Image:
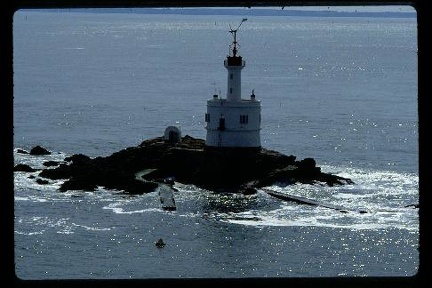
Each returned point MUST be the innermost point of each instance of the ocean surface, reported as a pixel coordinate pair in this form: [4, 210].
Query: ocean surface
[342, 90]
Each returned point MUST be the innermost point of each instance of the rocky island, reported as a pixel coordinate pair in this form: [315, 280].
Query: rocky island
[141, 169]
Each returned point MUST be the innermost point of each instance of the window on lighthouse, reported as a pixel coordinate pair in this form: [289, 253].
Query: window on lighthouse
[244, 119]
[230, 90]
[231, 76]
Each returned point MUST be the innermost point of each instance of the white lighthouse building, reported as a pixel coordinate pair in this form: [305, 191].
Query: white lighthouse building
[233, 121]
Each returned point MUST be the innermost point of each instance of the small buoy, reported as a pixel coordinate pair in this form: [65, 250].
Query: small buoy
[160, 243]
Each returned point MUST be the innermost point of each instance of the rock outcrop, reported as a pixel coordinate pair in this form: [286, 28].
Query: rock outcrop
[141, 169]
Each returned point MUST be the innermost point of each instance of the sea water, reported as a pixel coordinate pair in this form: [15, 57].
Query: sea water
[342, 90]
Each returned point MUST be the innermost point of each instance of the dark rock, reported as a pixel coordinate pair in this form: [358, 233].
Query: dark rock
[51, 163]
[63, 171]
[189, 162]
[248, 191]
[78, 159]
[38, 150]
[21, 151]
[24, 168]
[41, 181]
[77, 183]
[307, 164]
[134, 186]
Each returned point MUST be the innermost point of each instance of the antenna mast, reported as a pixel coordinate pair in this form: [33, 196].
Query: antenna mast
[234, 32]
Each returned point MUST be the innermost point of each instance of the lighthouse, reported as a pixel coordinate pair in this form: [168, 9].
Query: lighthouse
[233, 121]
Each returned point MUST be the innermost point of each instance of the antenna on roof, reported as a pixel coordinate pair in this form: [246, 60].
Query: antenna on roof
[234, 32]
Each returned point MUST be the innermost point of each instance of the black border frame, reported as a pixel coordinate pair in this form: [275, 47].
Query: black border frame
[6, 147]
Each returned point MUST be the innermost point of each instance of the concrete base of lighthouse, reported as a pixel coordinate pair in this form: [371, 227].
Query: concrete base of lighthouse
[233, 138]
[233, 123]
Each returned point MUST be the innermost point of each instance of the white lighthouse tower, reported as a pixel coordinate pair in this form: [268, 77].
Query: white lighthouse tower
[233, 121]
